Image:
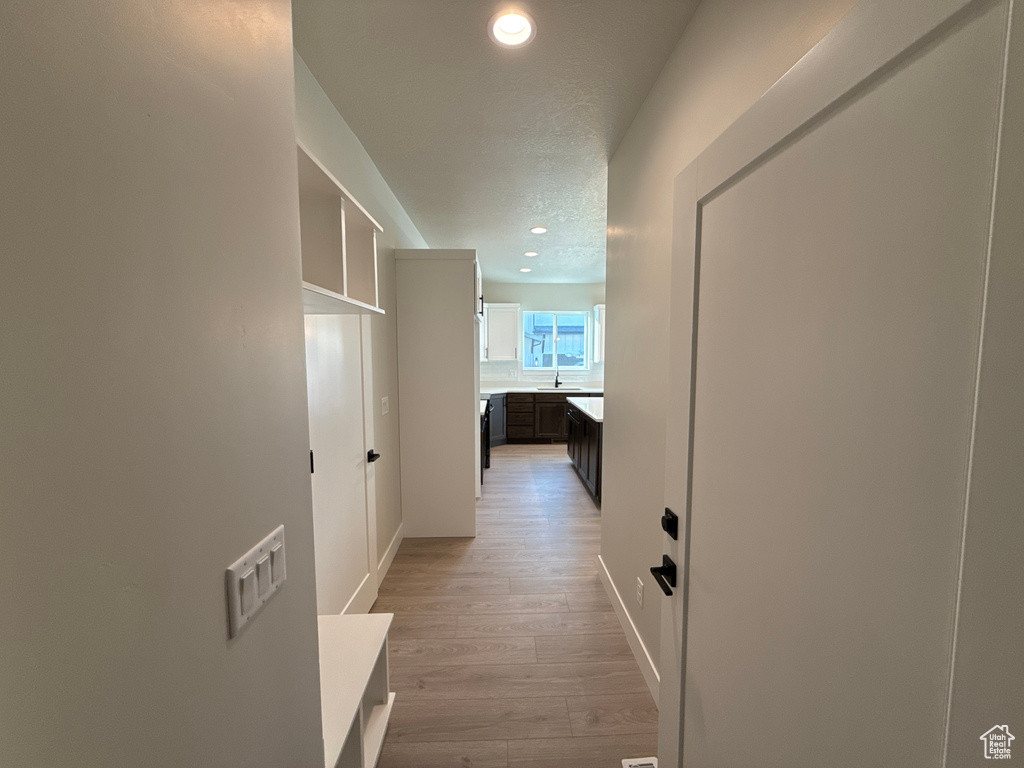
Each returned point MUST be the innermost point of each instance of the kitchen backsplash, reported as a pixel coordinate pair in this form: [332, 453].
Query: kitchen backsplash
[510, 372]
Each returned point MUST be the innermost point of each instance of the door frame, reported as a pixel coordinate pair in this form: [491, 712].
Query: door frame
[870, 41]
[367, 594]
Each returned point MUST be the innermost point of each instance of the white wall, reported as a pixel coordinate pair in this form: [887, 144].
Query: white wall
[725, 60]
[543, 296]
[153, 417]
[325, 133]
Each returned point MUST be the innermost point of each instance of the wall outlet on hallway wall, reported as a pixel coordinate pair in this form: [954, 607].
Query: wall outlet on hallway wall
[640, 591]
[385, 406]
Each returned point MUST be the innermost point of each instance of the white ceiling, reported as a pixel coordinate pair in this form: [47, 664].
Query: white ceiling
[480, 142]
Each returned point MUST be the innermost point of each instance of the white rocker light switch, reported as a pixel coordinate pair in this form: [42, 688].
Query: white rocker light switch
[253, 579]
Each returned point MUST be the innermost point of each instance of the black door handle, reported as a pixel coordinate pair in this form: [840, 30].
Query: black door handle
[665, 574]
[371, 456]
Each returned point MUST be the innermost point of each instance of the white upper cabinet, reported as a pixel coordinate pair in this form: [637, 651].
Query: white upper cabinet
[339, 245]
[599, 333]
[502, 332]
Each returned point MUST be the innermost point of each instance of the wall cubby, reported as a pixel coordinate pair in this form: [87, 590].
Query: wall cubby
[339, 244]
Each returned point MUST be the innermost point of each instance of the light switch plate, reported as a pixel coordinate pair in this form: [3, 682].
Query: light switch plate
[256, 579]
[640, 762]
[640, 591]
[385, 406]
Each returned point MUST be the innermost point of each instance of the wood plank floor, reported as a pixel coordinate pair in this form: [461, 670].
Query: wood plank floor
[505, 650]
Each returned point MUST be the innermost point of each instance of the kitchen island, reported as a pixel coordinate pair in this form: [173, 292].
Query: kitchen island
[585, 419]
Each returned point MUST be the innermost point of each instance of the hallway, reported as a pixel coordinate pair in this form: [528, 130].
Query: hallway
[505, 651]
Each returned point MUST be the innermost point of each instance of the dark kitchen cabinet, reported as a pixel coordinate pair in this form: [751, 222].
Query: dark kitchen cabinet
[550, 416]
[534, 417]
[574, 431]
[499, 436]
[519, 416]
[593, 460]
[549, 420]
[584, 448]
[587, 431]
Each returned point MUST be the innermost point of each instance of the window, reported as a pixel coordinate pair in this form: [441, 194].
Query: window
[555, 340]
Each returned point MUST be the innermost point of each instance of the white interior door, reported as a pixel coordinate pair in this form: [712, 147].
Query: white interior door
[346, 573]
[827, 302]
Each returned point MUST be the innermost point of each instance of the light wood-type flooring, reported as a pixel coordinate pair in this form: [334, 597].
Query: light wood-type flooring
[505, 652]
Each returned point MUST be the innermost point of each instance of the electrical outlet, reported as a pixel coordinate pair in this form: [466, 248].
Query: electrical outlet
[640, 762]
[384, 406]
[640, 591]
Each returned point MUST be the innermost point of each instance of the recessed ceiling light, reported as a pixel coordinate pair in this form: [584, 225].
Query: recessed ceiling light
[530, 253]
[539, 230]
[511, 29]
[525, 269]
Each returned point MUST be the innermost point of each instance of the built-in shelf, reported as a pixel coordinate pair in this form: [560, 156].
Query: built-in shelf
[339, 244]
[354, 698]
[320, 301]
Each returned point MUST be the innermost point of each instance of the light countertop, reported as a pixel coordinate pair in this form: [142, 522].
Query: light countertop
[591, 406]
[483, 406]
[497, 389]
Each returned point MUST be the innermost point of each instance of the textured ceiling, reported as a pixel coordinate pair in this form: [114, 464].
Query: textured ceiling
[480, 142]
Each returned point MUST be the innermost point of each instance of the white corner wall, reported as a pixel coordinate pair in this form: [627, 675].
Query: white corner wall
[437, 300]
[726, 59]
[324, 132]
[153, 416]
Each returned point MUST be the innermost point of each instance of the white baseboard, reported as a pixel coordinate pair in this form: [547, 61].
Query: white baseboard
[390, 552]
[366, 594]
[643, 658]
[364, 598]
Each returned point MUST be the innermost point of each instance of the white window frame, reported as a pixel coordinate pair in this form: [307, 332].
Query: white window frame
[588, 334]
